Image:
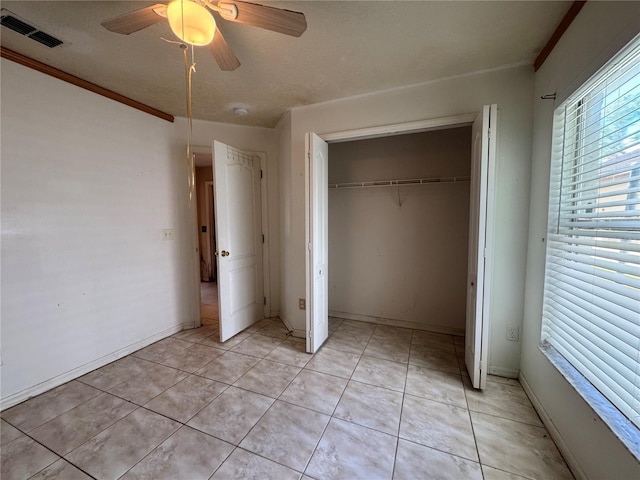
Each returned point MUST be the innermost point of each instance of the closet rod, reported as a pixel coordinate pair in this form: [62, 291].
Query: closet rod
[398, 183]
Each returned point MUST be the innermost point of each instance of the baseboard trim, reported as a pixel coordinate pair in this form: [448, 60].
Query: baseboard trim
[573, 464]
[298, 333]
[58, 380]
[504, 372]
[397, 323]
[286, 322]
[295, 332]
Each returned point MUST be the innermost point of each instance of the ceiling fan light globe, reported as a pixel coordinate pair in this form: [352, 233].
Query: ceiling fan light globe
[191, 22]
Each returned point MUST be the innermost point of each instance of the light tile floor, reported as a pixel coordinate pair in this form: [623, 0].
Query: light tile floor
[376, 402]
[209, 303]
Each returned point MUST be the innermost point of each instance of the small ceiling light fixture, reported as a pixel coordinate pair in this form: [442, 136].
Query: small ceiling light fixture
[241, 111]
[191, 22]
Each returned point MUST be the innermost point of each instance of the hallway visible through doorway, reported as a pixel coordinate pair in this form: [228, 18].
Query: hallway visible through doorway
[209, 303]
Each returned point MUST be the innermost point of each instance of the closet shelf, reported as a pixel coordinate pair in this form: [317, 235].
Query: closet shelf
[399, 183]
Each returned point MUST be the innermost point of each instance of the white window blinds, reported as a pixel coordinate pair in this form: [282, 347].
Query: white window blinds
[591, 312]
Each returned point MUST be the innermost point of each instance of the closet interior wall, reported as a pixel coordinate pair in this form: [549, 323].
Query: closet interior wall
[398, 254]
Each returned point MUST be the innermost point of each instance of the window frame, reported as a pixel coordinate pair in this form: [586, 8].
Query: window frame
[622, 426]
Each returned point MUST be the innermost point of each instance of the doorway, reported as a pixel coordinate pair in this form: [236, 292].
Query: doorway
[209, 311]
[233, 237]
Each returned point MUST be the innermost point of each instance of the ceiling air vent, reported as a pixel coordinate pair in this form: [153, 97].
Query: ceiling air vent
[16, 25]
[10, 20]
[45, 39]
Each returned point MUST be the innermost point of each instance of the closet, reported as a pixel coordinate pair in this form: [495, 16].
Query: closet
[398, 222]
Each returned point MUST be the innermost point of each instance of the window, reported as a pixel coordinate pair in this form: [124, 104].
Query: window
[591, 312]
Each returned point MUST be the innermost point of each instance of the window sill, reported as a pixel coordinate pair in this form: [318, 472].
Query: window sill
[620, 425]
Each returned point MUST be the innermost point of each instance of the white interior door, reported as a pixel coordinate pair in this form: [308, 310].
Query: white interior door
[317, 238]
[480, 241]
[238, 238]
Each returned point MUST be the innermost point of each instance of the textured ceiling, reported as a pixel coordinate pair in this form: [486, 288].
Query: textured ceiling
[349, 48]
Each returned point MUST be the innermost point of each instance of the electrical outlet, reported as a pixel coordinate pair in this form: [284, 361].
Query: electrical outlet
[513, 333]
[302, 304]
[167, 233]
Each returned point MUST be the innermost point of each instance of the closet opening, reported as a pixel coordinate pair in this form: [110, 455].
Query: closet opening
[399, 232]
[398, 229]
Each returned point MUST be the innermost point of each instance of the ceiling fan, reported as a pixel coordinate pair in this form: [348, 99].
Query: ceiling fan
[192, 22]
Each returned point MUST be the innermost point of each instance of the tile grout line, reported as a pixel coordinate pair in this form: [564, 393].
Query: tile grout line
[235, 447]
[507, 419]
[511, 473]
[449, 453]
[238, 447]
[191, 418]
[148, 409]
[105, 428]
[58, 457]
[64, 457]
[274, 402]
[261, 417]
[251, 429]
[404, 393]
[93, 436]
[473, 430]
[313, 452]
[390, 390]
[43, 393]
[154, 448]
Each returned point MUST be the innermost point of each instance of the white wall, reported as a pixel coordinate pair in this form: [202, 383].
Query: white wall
[401, 253]
[256, 139]
[88, 184]
[511, 90]
[599, 31]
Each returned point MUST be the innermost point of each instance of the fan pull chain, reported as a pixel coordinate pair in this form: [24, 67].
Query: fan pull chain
[189, 69]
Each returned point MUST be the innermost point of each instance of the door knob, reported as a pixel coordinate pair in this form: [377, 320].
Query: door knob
[224, 253]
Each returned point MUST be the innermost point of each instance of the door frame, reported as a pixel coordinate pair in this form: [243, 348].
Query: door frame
[418, 126]
[264, 214]
[390, 130]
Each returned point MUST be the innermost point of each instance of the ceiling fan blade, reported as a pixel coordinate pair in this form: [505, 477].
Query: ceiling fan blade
[221, 51]
[134, 21]
[274, 19]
